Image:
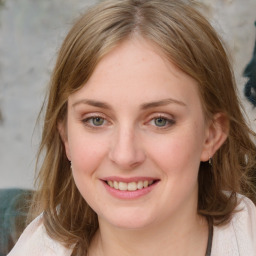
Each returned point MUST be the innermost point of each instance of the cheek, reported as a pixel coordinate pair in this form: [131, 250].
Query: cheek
[86, 153]
[177, 154]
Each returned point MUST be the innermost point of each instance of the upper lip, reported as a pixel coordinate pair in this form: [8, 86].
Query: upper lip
[129, 179]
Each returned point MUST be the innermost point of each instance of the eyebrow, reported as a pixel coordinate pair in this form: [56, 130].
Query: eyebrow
[94, 103]
[144, 106]
[163, 102]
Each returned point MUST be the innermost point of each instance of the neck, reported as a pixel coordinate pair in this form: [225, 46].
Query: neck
[175, 237]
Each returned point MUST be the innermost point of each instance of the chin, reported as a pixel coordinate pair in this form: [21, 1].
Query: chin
[131, 220]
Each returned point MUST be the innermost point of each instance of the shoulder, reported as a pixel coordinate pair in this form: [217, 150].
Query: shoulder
[238, 237]
[35, 241]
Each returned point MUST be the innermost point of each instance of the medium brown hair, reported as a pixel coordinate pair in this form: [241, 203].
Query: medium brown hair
[187, 39]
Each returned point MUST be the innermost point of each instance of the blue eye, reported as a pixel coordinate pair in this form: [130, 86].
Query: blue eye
[97, 121]
[160, 121]
[94, 121]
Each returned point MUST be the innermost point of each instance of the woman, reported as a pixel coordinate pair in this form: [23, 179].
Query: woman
[144, 150]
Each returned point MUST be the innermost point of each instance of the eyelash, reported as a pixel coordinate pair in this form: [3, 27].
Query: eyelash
[168, 121]
[87, 121]
[168, 124]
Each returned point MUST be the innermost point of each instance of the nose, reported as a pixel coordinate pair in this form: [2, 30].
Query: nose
[126, 150]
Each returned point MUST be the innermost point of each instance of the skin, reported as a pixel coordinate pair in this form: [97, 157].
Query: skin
[113, 129]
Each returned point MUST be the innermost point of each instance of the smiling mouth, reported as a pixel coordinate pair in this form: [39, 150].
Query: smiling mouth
[130, 186]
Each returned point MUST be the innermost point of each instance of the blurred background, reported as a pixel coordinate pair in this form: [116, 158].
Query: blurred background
[30, 35]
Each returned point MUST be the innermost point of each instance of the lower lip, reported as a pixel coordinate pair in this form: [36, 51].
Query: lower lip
[129, 194]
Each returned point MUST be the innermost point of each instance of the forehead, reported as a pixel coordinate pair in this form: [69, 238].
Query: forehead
[137, 69]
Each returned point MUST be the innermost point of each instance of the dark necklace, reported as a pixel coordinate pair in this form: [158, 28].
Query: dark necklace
[209, 243]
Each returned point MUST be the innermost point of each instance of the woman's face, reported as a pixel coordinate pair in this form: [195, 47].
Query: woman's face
[136, 134]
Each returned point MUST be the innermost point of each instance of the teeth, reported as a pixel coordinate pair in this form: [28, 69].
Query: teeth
[140, 185]
[116, 185]
[131, 186]
[110, 183]
[145, 184]
[123, 186]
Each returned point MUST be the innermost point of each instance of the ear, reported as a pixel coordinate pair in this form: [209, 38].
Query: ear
[63, 134]
[216, 134]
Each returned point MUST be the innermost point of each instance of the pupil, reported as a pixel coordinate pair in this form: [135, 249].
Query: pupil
[160, 122]
[97, 121]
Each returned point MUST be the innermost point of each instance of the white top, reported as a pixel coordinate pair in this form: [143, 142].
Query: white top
[34, 241]
[238, 238]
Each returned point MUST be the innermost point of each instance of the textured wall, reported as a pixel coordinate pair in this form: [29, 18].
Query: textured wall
[30, 32]
[234, 20]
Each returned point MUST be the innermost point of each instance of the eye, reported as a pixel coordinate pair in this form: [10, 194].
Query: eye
[162, 122]
[97, 121]
[94, 121]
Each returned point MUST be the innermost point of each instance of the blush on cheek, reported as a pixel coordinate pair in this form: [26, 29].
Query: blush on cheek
[86, 151]
[176, 157]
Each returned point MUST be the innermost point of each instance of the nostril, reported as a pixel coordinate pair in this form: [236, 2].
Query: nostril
[126, 152]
